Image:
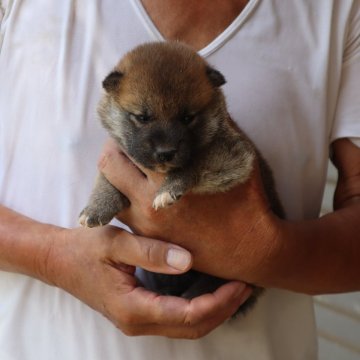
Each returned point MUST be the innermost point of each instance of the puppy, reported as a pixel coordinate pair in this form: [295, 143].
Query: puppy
[164, 106]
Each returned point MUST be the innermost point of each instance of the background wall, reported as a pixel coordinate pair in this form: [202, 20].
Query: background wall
[338, 316]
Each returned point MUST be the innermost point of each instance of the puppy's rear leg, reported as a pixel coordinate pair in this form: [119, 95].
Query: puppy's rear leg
[104, 203]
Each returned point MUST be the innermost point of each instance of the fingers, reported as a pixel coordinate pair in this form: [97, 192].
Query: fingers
[137, 311]
[119, 170]
[218, 302]
[150, 254]
[180, 318]
[124, 174]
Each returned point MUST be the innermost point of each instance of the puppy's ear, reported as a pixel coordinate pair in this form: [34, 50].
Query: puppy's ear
[112, 81]
[215, 76]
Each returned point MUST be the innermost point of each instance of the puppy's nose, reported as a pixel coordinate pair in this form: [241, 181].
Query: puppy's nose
[165, 155]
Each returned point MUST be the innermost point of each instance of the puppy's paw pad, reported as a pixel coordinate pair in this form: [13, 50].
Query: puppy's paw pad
[164, 199]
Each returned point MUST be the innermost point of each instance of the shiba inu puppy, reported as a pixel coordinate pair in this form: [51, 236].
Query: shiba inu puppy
[164, 106]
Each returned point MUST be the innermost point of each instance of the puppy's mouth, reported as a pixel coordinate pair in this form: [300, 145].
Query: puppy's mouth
[159, 162]
[164, 168]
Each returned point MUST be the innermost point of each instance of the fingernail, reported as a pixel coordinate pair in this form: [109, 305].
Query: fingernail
[178, 259]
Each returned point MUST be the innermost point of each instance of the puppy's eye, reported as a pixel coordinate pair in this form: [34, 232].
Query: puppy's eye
[187, 119]
[141, 118]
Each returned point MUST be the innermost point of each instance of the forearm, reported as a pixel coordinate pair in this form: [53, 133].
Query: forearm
[24, 244]
[319, 256]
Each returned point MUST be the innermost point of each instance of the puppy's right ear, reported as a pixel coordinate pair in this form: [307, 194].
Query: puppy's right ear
[215, 76]
[112, 81]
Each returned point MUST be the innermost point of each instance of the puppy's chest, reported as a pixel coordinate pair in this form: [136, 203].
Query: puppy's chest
[218, 168]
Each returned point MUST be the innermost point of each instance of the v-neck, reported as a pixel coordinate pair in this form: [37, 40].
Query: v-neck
[216, 43]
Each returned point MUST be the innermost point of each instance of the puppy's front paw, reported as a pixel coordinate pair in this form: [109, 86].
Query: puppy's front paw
[165, 199]
[91, 218]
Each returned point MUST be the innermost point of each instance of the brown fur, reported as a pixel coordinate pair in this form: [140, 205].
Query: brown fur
[163, 105]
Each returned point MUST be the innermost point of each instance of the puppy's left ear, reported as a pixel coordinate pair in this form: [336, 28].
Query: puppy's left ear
[215, 76]
[112, 81]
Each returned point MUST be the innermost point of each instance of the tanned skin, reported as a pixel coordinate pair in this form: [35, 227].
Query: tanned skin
[207, 22]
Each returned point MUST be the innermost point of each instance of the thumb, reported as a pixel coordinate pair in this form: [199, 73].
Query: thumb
[150, 254]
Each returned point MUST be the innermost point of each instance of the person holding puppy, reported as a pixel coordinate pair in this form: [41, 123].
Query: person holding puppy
[293, 106]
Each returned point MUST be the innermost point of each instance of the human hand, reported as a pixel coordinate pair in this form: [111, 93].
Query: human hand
[231, 235]
[97, 266]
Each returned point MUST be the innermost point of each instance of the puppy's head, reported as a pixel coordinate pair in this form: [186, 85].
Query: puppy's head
[162, 103]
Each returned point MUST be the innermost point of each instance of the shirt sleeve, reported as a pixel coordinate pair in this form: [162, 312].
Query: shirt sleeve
[347, 116]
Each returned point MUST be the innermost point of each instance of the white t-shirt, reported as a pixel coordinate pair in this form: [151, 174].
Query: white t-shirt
[293, 72]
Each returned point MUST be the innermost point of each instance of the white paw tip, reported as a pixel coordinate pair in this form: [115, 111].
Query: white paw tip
[83, 220]
[162, 200]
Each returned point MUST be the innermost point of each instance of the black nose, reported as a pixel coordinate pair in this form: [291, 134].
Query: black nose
[164, 156]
